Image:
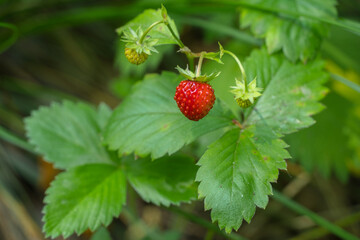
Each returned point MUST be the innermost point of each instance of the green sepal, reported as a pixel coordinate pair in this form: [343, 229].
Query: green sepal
[186, 73]
[132, 38]
[251, 94]
[207, 78]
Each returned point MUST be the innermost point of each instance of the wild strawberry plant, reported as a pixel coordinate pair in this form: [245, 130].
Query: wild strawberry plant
[139, 143]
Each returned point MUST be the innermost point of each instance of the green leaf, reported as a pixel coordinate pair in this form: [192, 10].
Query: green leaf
[69, 134]
[83, 197]
[291, 91]
[236, 171]
[159, 32]
[168, 180]
[328, 150]
[101, 234]
[103, 115]
[163, 12]
[282, 25]
[149, 121]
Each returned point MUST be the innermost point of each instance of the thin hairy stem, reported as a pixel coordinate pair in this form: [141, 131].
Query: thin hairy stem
[149, 29]
[198, 70]
[242, 70]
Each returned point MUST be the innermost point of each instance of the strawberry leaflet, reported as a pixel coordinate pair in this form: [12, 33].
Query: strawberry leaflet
[297, 36]
[75, 129]
[236, 171]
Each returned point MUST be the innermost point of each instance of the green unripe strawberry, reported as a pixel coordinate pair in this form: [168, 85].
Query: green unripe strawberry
[134, 57]
[243, 103]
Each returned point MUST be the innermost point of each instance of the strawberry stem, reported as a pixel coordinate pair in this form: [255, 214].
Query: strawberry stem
[237, 123]
[191, 62]
[148, 30]
[189, 56]
[179, 42]
[198, 70]
[242, 70]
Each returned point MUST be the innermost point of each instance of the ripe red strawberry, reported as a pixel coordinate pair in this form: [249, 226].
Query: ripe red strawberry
[194, 99]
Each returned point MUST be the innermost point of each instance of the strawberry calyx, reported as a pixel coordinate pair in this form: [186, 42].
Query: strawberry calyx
[138, 41]
[186, 73]
[246, 96]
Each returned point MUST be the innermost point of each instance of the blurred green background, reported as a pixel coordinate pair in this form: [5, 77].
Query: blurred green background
[68, 49]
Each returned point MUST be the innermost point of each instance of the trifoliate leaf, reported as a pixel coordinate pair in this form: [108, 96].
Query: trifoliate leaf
[298, 36]
[159, 32]
[83, 198]
[236, 171]
[69, 134]
[150, 122]
[168, 180]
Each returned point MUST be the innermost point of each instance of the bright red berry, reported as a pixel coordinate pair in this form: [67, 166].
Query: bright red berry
[194, 99]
